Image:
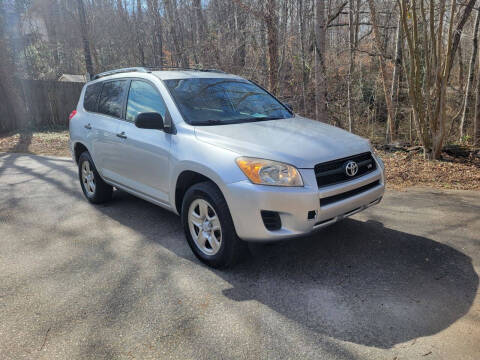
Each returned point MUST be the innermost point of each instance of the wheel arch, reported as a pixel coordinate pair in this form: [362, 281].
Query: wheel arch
[185, 180]
[78, 149]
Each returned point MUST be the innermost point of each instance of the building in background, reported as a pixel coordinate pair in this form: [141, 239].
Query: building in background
[73, 78]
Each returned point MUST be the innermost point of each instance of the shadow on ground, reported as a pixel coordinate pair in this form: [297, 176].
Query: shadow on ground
[355, 281]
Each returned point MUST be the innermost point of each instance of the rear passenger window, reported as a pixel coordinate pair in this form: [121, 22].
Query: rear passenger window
[143, 97]
[111, 99]
[91, 96]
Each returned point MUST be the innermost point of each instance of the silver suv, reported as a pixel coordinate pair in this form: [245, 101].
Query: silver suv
[220, 151]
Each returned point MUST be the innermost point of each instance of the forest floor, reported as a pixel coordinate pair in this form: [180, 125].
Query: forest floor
[403, 169]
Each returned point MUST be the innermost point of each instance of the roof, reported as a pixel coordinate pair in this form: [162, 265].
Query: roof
[73, 78]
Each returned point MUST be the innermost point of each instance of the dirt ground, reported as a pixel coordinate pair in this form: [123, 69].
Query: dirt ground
[403, 169]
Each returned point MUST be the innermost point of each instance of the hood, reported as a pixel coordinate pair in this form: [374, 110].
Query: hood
[298, 141]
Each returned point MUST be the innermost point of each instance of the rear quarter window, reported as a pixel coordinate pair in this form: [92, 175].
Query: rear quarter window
[112, 97]
[91, 96]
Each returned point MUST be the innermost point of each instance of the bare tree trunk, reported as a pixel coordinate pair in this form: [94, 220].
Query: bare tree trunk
[52, 20]
[301, 21]
[140, 33]
[272, 39]
[397, 69]
[461, 76]
[476, 120]
[351, 67]
[471, 75]
[320, 52]
[16, 115]
[386, 89]
[200, 28]
[283, 41]
[157, 43]
[84, 33]
[171, 10]
[240, 43]
[467, 10]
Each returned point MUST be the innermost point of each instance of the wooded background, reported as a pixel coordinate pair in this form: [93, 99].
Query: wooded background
[391, 70]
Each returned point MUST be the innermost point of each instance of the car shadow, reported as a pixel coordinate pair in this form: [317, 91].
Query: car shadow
[354, 281]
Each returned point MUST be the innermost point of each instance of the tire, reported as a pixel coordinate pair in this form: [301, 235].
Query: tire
[230, 249]
[98, 193]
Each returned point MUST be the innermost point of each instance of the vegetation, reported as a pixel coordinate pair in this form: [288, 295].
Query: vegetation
[396, 71]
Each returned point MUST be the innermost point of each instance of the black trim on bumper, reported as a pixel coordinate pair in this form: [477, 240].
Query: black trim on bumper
[332, 199]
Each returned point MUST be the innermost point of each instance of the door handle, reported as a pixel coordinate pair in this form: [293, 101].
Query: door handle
[88, 127]
[122, 135]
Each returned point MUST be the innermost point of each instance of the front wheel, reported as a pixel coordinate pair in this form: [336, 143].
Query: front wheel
[94, 188]
[209, 227]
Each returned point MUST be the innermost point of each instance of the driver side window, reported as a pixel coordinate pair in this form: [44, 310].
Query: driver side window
[143, 97]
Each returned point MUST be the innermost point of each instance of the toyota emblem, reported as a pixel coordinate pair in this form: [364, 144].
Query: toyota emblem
[351, 168]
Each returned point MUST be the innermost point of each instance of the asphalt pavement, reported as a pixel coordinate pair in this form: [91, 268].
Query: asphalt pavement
[78, 281]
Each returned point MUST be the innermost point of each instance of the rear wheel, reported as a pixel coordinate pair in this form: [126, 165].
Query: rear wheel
[94, 188]
[209, 227]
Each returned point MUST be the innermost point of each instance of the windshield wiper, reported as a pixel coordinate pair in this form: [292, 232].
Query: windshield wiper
[235, 121]
[269, 118]
[209, 122]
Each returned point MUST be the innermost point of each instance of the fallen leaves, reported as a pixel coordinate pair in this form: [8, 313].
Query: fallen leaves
[407, 169]
[54, 143]
[403, 169]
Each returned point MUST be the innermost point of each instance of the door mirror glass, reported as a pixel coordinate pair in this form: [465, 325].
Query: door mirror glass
[149, 120]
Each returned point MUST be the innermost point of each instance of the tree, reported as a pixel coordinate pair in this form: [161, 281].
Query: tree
[471, 75]
[383, 71]
[300, 49]
[140, 34]
[157, 43]
[320, 51]
[397, 69]
[429, 63]
[85, 39]
[351, 67]
[301, 30]
[272, 41]
[13, 104]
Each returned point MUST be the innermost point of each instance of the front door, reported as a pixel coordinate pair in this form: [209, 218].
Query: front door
[145, 152]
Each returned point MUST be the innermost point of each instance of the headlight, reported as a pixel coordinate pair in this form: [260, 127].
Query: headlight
[267, 172]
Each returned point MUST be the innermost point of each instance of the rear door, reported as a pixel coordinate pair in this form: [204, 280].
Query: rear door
[145, 152]
[106, 143]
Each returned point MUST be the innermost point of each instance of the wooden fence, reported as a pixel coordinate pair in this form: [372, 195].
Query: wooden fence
[50, 102]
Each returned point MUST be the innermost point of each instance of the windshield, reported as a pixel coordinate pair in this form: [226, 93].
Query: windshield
[224, 101]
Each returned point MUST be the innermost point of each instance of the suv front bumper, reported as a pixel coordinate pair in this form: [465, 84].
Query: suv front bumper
[247, 200]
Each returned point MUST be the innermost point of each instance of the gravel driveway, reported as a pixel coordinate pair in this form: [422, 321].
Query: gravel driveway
[77, 281]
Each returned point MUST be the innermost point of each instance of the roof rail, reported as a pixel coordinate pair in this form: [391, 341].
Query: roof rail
[150, 69]
[119, 71]
[183, 68]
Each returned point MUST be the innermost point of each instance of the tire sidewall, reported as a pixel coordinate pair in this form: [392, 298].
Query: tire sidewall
[217, 259]
[86, 157]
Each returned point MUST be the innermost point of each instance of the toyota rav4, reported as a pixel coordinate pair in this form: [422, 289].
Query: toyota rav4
[233, 161]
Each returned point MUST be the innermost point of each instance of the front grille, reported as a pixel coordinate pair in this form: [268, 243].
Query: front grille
[331, 199]
[333, 172]
[271, 220]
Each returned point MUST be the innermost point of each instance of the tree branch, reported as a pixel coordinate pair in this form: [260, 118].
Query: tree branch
[337, 14]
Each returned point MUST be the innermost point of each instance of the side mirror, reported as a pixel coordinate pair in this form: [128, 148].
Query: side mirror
[289, 106]
[149, 120]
